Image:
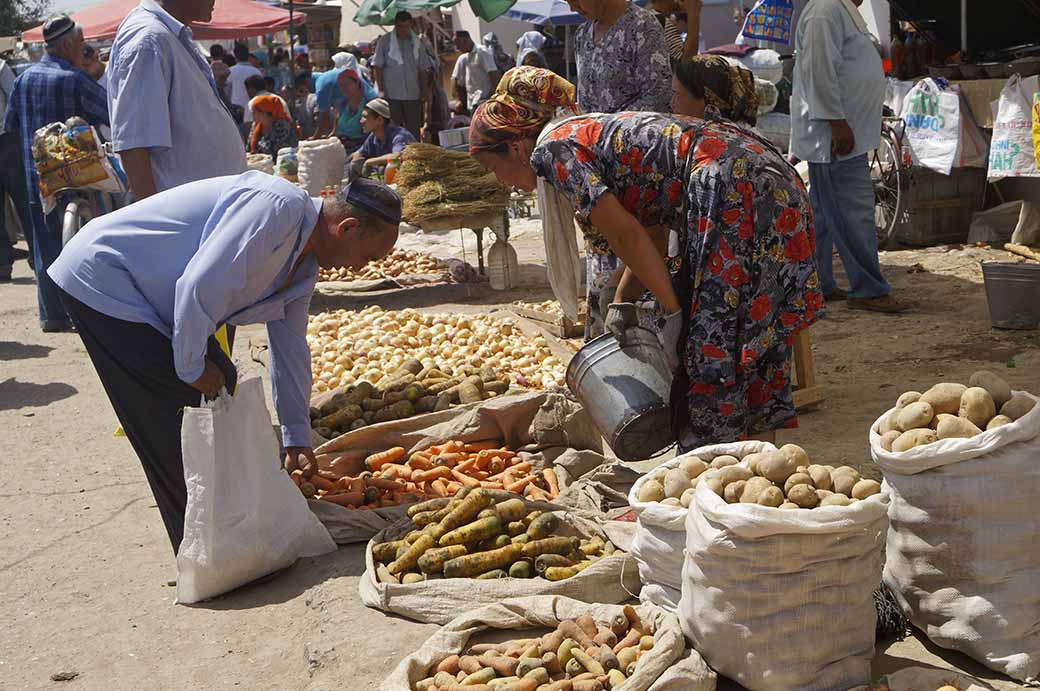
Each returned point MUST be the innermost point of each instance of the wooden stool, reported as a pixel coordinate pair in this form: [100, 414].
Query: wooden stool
[806, 391]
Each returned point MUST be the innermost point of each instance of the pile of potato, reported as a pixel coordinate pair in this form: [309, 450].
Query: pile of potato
[782, 479]
[549, 307]
[399, 262]
[484, 533]
[951, 411]
[411, 390]
[578, 655]
[348, 347]
[675, 486]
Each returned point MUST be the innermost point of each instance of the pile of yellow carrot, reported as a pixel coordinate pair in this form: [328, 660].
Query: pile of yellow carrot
[393, 477]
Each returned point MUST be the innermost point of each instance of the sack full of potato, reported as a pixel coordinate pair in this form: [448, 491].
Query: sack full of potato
[554, 642]
[660, 500]
[962, 556]
[782, 560]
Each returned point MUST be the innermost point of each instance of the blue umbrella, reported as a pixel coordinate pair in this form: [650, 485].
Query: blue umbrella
[541, 11]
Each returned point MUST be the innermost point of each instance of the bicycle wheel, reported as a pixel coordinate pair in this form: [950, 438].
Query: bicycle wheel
[889, 178]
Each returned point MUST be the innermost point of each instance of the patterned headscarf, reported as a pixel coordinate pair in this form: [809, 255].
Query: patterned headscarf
[270, 104]
[526, 99]
[726, 87]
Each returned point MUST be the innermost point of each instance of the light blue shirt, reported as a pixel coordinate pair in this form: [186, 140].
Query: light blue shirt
[838, 76]
[162, 97]
[207, 253]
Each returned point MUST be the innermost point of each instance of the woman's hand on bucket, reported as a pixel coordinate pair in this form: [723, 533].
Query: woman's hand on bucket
[668, 335]
[621, 316]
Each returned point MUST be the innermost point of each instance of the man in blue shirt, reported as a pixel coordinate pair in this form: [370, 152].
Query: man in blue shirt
[385, 140]
[169, 123]
[147, 286]
[53, 90]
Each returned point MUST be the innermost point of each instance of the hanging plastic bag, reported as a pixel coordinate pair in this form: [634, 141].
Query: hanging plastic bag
[770, 20]
[68, 156]
[1036, 128]
[933, 125]
[245, 518]
[974, 149]
[1012, 153]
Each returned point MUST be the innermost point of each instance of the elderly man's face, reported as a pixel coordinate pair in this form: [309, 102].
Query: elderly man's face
[403, 28]
[353, 249]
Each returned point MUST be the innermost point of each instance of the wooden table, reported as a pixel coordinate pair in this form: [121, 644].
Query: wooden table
[806, 391]
[497, 222]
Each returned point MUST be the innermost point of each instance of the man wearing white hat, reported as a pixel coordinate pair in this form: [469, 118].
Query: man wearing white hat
[385, 140]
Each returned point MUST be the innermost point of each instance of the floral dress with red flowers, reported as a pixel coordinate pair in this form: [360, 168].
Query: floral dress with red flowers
[742, 257]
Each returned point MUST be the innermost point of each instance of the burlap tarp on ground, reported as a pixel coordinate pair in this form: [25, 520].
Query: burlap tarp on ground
[610, 579]
[549, 430]
[668, 667]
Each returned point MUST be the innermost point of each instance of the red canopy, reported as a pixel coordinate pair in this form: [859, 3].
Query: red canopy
[231, 19]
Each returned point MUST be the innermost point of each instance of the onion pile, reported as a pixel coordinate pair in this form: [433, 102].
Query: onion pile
[347, 347]
[549, 307]
[398, 263]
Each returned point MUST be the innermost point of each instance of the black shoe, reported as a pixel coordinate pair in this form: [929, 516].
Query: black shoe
[835, 295]
[55, 326]
[5, 273]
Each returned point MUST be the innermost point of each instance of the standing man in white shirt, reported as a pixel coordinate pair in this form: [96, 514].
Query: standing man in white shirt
[404, 72]
[240, 72]
[475, 75]
[839, 88]
[169, 124]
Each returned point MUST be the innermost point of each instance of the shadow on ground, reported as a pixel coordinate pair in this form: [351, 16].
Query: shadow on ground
[13, 350]
[15, 394]
[347, 561]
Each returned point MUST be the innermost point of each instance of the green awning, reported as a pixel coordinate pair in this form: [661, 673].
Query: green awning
[384, 11]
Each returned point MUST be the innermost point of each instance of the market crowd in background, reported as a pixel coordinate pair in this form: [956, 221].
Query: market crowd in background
[176, 113]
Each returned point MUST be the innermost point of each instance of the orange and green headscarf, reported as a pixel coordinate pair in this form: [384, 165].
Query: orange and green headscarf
[526, 99]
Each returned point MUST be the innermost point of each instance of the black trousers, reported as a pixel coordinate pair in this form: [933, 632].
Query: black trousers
[135, 364]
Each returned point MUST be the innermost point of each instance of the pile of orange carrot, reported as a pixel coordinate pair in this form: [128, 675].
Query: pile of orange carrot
[393, 477]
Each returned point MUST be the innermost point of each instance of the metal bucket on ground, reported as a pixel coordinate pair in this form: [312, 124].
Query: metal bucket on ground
[1013, 294]
[626, 392]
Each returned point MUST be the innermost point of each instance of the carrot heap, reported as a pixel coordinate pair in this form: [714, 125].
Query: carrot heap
[394, 477]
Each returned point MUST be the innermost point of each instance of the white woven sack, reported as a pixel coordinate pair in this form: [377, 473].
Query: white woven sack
[660, 536]
[320, 164]
[610, 579]
[780, 599]
[962, 549]
[668, 666]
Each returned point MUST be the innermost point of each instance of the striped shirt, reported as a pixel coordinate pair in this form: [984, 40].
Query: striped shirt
[673, 40]
[51, 91]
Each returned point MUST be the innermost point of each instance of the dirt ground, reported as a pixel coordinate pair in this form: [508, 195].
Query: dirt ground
[84, 560]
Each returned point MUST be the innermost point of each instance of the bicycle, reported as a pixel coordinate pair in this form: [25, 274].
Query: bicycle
[891, 172]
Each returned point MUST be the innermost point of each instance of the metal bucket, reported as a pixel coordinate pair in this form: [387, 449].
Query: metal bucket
[626, 392]
[1013, 294]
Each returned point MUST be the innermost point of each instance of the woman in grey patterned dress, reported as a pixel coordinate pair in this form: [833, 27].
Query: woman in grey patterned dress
[623, 65]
